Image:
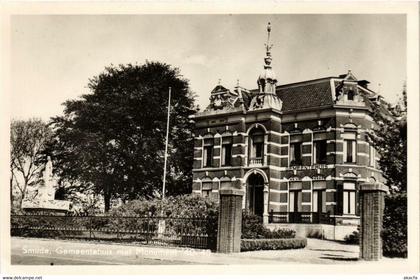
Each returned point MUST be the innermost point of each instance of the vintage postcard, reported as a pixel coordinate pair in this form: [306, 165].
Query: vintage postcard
[199, 139]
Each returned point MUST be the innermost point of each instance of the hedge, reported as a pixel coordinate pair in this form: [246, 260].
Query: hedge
[272, 244]
[253, 228]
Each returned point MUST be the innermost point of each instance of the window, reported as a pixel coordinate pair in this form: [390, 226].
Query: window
[296, 153]
[295, 201]
[320, 151]
[257, 147]
[206, 193]
[226, 151]
[350, 150]
[350, 95]
[349, 198]
[208, 153]
[371, 156]
[206, 189]
[319, 201]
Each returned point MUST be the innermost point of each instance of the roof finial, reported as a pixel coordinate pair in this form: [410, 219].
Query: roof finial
[268, 46]
[237, 82]
[219, 81]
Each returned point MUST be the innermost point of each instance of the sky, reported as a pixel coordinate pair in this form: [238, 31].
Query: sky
[54, 56]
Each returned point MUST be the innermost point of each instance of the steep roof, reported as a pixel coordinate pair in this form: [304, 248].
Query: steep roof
[305, 95]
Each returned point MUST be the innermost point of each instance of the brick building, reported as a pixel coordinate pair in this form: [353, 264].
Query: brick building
[299, 151]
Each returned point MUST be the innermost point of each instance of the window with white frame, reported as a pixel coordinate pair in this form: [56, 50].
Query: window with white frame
[296, 153]
[206, 189]
[349, 147]
[226, 151]
[319, 196]
[208, 153]
[320, 151]
[256, 146]
[349, 198]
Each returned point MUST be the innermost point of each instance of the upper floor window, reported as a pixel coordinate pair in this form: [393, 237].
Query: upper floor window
[320, 151]
[226, 151]
[296, 153]
[208, 153]
[257, 146]
[349, 148]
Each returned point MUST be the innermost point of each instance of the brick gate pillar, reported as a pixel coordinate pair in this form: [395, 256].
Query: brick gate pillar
[230, 221]
[371, 203]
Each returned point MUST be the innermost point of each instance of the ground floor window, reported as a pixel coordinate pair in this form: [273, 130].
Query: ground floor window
[206, 189]
[318, 203]
[295, 201]
[349, 198]
[206, 193]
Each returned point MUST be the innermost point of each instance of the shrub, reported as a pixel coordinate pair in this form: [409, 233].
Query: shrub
[272, 244]
[352, 238]
[253, 228]
[394, 233]
[176, 208]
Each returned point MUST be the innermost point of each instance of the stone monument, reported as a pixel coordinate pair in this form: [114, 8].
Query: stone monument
[42, 199]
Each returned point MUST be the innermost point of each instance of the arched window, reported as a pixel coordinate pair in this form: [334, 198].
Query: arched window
[256, 151]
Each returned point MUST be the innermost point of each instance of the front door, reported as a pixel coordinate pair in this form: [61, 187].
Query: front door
[256, 194]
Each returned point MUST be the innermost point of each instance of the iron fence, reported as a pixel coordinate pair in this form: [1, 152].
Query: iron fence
[182, 231]
[301, 218]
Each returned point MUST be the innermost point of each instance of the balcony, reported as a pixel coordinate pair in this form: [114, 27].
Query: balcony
[300, 218]
[257, 161]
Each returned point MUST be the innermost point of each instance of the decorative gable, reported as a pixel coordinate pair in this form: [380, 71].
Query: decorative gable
[221, 98]
[347, 91]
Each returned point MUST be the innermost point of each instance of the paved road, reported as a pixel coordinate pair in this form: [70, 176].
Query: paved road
[32, 251]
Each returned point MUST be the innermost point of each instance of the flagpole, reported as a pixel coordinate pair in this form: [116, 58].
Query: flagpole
[166, 145]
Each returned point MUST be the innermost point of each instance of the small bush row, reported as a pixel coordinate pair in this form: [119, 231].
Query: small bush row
[272, 244]
[253, 228]
[352, 238]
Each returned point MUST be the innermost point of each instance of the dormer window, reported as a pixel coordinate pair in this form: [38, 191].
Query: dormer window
[350, 95]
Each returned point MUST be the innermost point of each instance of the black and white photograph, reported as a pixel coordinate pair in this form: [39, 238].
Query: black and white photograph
[211, 139]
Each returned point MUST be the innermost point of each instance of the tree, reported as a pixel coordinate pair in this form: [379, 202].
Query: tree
[28, 139]
[112, 140]
[390, 140]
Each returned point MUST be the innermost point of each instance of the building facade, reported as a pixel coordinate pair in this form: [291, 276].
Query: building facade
[299, 151]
